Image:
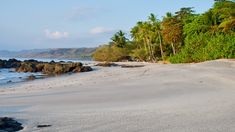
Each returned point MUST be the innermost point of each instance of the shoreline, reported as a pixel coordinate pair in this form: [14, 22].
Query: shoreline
[156, 97]
[16, 71]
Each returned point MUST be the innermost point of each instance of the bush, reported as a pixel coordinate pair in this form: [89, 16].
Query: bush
[139, 54]
[206, 47]
[110, 54]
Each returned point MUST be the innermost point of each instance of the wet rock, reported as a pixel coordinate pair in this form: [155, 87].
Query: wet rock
[48, 69]
[26, 67]
[77, 69]
[31, 61]
[1, 63]
[9, 81]
[40, 67]
[86, 69]
[52, 62]
[31, 77]
[9, 125]
[12, 63]
[51, 68]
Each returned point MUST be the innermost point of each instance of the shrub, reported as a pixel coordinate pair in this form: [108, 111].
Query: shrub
[206, 47]
[110, 53]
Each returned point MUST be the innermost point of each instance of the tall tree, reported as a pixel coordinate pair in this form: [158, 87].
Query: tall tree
[119, 39]
[184, 13]
[172, 31]
[148, 33]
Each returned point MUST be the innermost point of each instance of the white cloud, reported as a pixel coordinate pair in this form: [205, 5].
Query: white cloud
[56, 34]
[100, 30]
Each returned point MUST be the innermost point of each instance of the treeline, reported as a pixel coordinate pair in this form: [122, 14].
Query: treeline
[181, 37]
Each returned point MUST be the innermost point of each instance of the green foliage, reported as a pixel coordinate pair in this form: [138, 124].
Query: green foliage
[199, 48]
[110, 53]
[119, 39]
[139, 54]
[182, 37]
[148, 39]
[210, 35]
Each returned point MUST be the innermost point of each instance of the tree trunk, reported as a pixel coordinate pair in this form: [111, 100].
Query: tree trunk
[160, 39]
[151, 50]
[148, 48]
[173, 48]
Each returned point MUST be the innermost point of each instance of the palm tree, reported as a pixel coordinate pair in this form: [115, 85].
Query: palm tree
[156, 24]
[148, 33]
[119, 39]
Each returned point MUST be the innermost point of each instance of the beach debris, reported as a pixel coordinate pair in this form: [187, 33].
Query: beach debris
[9, 125]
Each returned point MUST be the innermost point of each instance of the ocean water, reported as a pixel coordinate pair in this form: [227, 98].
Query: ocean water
[8, 76]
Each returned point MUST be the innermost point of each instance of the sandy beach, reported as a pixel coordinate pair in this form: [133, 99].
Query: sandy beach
[154, 98]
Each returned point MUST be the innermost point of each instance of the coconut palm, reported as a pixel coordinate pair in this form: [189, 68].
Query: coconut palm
[119, 39]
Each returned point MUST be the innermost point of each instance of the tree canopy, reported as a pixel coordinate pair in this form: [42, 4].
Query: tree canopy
[180, 37]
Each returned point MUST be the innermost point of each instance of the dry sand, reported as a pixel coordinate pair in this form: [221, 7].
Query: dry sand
[155, 98]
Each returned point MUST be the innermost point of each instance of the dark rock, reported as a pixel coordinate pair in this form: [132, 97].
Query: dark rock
[12, 63]
[26, 67]
[86, 69]
[31, 61]
[131, 66]
[9, 125]
[39, 67]
[51, 68]
[77, 69]
[31, 77]
[48, 69]
[106, 64]
[41, 126]
[9, 81]
[59, 69]
[52, 62]
[2, 63]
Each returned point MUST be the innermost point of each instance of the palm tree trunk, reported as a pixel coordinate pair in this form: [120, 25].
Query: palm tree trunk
[148, 48]
[160, 39]
[173, 48]
[151, 50]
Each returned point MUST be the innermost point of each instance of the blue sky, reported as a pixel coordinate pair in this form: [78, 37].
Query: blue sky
[37, 24]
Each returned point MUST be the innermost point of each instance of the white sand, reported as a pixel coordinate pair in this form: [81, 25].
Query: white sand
[154, 98]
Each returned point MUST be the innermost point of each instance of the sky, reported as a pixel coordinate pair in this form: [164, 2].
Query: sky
[39, 24]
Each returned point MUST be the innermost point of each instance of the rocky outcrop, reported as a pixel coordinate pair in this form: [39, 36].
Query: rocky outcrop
[11, 63]
[49, 68]
[9, 125]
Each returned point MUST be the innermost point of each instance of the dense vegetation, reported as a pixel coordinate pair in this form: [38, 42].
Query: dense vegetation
[181, 37]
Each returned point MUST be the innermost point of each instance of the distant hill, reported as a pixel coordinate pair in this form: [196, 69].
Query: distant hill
[58, 53]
